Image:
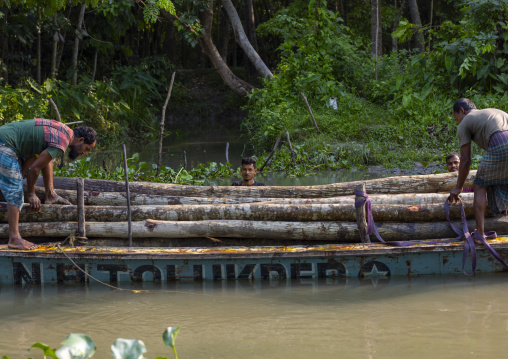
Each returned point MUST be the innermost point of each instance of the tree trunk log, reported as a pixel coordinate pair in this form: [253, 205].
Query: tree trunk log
[250, 212]
[55, 48]
[120, 199]
[338, 232]
[76, 45]
[206, 43]
[415, 19]
[402, 199]
[391, 185]
[244, 42]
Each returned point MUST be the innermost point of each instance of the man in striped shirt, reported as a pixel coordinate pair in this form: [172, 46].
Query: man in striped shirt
[27, 148]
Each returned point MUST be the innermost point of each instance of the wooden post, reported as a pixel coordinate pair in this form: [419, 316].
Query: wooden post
[184, 160]
[361, 219]
[128, 195]
[291, 148]
[310, 111]
[269, 159]
[163, 117]
[81, 207]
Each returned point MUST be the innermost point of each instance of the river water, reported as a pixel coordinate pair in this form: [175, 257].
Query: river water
[423, 317]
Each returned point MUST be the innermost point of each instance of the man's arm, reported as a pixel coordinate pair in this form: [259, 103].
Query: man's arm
[464, 167]
[37, 166]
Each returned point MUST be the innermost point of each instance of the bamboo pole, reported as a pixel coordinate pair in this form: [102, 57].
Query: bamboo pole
[127, 190]
[310, 111]
[269, 159]
[338, 232]
[81, 207]
[293, 157]
[162, 124]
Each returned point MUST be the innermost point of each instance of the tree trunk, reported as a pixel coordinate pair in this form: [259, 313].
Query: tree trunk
[391, 185]
[39, 46]
[206, 43]
[338, 232]
[94, 198]
[75, 52]
[243, 41]
[60, 54]
[225, 30]
[5, 46]
[408, 199]
[376, 29]
[55, 48]
[250, 23]
[248, 212]
[95, 63]
[415, 19]
[396, 22]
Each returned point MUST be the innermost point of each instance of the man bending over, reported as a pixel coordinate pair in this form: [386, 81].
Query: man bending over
[488, 128]
[27, 148]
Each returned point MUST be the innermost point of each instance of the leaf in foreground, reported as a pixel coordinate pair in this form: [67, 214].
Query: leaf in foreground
[128, 349]
[76, 346]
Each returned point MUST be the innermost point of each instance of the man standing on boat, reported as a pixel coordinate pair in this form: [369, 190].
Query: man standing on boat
[27, 148]
[488, 128]
[248, 171]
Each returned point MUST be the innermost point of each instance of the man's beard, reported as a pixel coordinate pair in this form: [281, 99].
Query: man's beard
[73, 153]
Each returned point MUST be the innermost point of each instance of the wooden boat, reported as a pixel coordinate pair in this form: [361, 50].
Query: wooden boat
[192, 232]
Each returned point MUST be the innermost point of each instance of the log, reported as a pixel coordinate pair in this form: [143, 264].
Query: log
[443, 182]
[338, 232]
[120, 198]
[406, 198]
[252, 212]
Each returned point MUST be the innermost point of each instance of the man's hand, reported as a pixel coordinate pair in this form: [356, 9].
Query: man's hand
[53, 198]
[454, 195]
[35, 203]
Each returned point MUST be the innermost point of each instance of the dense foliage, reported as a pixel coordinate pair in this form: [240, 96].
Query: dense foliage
[393, 109]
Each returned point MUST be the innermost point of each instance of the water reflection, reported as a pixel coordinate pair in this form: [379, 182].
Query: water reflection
[445, 316]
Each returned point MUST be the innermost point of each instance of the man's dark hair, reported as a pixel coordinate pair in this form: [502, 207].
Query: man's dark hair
[450, 155]
[249, 161]
[464, 103]
[87, 133]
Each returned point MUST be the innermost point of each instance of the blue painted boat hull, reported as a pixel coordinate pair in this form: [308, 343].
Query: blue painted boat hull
[113, 265]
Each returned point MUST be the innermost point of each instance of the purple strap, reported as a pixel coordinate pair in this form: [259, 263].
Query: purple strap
[462, 234]
[371, 226]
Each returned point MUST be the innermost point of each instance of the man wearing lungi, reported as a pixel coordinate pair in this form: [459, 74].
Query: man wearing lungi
[27, 148]
[488, 128]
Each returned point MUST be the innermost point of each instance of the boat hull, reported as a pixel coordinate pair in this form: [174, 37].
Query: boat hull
[115, 265]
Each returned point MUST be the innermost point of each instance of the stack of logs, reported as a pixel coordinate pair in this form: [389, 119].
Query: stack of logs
[404, 208]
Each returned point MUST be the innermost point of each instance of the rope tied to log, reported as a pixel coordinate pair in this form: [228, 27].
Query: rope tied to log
[463, 233]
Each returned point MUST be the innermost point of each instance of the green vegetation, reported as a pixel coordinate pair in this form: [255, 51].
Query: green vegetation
[80, 346]
[403, 116]
[393, 105]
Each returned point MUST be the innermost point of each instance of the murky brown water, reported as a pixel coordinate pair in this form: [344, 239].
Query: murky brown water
[426, 317]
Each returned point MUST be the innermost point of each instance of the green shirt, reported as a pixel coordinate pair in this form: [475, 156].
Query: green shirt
[26, 139]
[479, 125]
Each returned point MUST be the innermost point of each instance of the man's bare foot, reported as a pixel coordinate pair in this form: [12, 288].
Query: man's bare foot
[56, 200]
[20, 243]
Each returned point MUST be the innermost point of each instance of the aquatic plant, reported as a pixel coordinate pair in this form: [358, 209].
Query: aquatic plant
[80, 346]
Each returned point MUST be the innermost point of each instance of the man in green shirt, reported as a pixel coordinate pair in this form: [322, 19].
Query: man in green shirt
[27, 148]
[488, 128]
